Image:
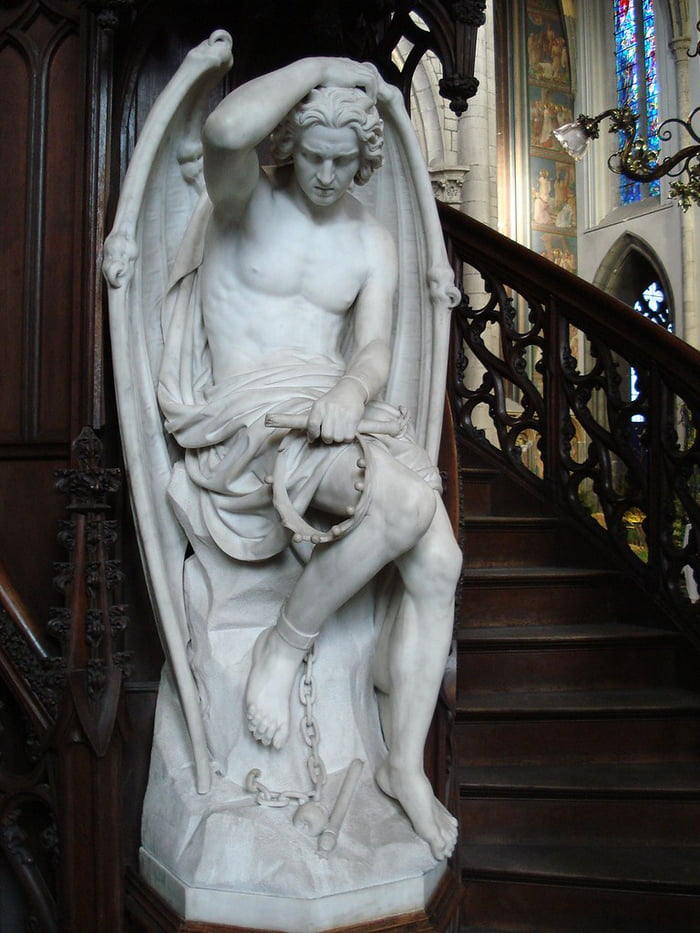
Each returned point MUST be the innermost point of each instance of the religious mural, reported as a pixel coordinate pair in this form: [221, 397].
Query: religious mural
[550, 104]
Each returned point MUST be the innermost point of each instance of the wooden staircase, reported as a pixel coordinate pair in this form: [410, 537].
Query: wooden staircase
[576, 736]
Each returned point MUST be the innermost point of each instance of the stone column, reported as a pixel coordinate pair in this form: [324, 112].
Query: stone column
[680, 46]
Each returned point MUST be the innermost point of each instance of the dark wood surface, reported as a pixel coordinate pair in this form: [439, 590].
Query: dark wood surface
[554, 731]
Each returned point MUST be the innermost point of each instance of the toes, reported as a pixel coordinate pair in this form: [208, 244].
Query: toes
[267, 731]
[279, 738]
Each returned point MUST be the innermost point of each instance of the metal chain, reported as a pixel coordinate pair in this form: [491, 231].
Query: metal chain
[311, 735]
[310, 731]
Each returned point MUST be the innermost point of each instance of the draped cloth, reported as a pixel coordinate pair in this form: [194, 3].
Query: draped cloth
[229, 451]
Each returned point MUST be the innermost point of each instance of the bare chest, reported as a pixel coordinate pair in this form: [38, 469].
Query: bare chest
[320, 266]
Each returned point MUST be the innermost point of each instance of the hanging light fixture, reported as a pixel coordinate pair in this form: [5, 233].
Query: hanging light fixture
[635, 159]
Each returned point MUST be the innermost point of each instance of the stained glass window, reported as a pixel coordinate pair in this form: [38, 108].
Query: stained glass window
[652, 304]
[637, 85]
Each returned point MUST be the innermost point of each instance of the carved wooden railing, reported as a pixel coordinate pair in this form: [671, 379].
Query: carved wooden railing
[588, 401]
[62, 723]
[28, 829]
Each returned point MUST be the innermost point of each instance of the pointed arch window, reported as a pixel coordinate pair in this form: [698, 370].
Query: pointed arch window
[637, 81]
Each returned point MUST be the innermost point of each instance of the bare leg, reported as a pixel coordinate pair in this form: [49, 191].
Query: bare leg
[413, 660]
[270, 683]
[402, 509]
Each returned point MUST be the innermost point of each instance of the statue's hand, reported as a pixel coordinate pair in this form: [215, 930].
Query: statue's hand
[336, 415]
[344, 72]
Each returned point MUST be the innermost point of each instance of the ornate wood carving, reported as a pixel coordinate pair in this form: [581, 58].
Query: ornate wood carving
[43, 677]
[365, 30]
[91, 723]
[449, 30]
[587, 396]
[28, 833]
[110, 13]
[469, 12]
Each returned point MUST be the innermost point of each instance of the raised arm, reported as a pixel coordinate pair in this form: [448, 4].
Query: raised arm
[251, 112]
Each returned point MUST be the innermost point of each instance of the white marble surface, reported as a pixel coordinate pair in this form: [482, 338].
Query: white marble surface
[222, 858]
[260, 911]
[221, 302]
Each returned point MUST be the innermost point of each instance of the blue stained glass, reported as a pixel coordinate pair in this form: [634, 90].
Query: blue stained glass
[630, 191]
[637, 84]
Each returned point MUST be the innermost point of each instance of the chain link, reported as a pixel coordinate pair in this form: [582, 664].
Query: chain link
[311, 735]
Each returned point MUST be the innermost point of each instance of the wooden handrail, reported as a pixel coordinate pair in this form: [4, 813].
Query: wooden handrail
[30, 654]
[16, 609]
[588, 400]
[589, 306]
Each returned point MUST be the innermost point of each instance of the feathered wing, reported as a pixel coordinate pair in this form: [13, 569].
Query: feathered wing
[160, 191]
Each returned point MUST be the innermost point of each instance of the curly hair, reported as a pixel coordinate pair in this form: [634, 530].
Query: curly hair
[334, 107]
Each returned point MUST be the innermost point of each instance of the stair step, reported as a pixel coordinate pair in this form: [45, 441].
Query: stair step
[563, 657]
[538, 576]
[577, 755]
[471, 929]
[490, 929]
[540, 595]
[677, 780]
[673, 869]
[588, 634]
[511, 540]
[477, 484]
[543, 821]
[566, 889]
[591, 703]
[584, 805]
[561, 727]
[486, 490]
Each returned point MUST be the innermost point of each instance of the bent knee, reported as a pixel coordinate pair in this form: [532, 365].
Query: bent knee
[450, 560]
[409, 507]
[442, 559]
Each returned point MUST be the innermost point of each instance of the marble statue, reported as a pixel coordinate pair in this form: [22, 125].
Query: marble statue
[271, 328]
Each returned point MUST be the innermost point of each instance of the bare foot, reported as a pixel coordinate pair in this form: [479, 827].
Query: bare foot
[430, 819]
[269, 688]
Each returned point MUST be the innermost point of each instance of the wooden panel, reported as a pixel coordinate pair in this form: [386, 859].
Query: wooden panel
[42, 158]
[31, 510]
[41, 76]
[61, 204]
[14, 81]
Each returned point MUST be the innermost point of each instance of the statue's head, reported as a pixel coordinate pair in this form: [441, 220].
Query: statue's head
[334, 108]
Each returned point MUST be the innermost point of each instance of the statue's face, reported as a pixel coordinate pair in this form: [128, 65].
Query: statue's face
[326, 160]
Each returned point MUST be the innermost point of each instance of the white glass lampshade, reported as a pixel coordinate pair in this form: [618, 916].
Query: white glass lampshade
[573, 138]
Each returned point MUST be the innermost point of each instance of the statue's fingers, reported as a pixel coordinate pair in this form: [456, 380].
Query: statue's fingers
[328, 429]
[372, 81]
[313, 426]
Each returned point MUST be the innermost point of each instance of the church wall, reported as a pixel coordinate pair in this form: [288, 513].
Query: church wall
[656, 221]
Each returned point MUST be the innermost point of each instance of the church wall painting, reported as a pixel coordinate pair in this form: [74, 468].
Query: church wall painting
[552, 185]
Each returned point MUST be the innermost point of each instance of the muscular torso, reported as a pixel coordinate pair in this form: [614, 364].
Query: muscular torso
[277, 278]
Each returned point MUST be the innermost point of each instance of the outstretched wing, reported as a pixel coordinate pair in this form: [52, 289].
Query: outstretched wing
[161, 189]
[400, 196]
